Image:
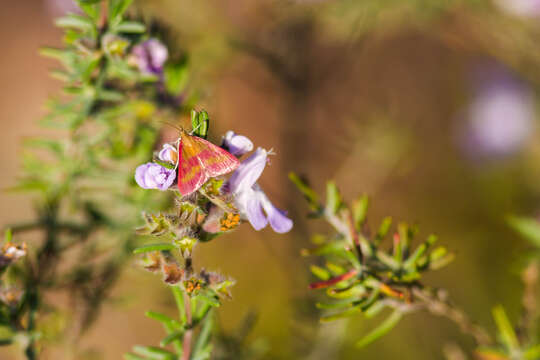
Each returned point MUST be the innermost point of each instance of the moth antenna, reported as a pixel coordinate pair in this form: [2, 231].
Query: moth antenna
[171, 124]
[177, 143]
[196, 127]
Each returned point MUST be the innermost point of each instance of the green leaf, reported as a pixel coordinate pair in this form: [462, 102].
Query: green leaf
[506, 331]
[387, 260]
[110, 95]
[130, 356]
[164, 319]
[309, 194]
[154, 247]
[333, 198]
[199, 123]
[54, 53]
[8, 235]
[359, 211]
[130, 27]
[375, 309]
[342, 314]
[204, 336]
[355, 291]
[154, 353]
[211, 298]
[335, 269]
[204, 121]
[410, 264]
[76, 22]
[346, 303]
[51, 145]
[91, 8]
[117, 8]
[527, 227]
[319, 272]
[440, 258]
[179, 300]
[176, 335]
[383, 229]
[381, 330]
[204, 353]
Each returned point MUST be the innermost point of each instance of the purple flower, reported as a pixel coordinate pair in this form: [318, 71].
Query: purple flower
[250, 200]
[522, 8]
[168, 153]
[150, 56]
[237, 145]
[154, 176]
[501, 114]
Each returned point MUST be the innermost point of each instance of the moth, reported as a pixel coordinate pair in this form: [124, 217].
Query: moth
[200, 160]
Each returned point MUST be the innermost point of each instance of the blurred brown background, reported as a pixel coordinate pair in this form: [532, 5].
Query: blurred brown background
[427, 106]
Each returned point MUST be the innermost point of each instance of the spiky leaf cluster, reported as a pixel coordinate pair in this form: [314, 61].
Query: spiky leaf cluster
[364, 271]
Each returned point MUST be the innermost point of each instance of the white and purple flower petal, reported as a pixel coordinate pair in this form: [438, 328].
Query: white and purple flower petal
[250, 207]
[168, 153]
[236, 144]
[250, 200]
[248, 172]
[154, 176]
[277, 218]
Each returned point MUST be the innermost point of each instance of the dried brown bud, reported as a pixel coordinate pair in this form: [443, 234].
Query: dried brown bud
[11, 296]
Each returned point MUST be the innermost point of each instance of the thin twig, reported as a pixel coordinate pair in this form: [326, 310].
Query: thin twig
[442, 307]
[529, 317]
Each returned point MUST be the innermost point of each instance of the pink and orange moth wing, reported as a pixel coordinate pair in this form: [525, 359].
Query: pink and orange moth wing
[200, 160]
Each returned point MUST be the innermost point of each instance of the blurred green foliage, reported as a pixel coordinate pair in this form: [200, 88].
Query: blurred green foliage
[87, 204]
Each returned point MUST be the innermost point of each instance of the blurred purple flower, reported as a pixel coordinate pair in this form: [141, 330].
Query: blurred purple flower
[523, 8]
[150, 56]
[237, 145]
[250, 200]
[154, 176]
[501, 115]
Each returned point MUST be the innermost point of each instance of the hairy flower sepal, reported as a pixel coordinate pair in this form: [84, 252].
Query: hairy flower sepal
[185, 245]
[158, 225]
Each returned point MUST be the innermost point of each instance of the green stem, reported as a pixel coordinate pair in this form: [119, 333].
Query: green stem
[186, 350]
[30, 351]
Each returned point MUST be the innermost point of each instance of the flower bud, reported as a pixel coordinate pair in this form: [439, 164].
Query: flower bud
[150, 56]
[237, 145]
[168, 153]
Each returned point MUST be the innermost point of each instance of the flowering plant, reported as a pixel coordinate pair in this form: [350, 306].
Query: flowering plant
[360, 277]
[215, 207]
